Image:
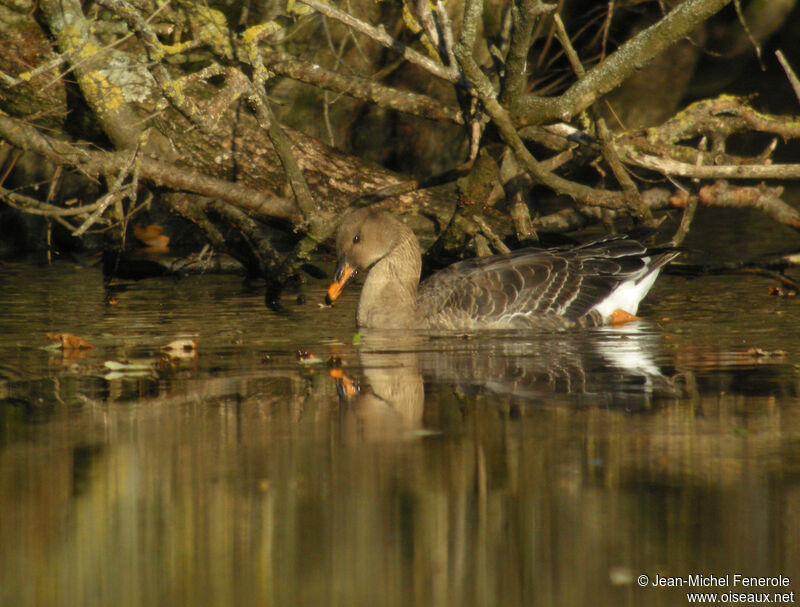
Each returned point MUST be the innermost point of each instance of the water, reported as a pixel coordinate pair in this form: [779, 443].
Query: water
[485, 470]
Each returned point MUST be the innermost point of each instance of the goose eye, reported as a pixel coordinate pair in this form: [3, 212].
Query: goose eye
[356, 239]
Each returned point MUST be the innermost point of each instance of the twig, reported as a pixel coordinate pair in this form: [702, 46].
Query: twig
[666, 166]
[606, 28]
[12, 81]
[508, 133]
[37, 207]
[379, 35]
[96, 163]
[793, 80]
[361, 88]
[569, 50]
[267, 256]
[762, 198]
[606, 140]
[117, 192]
[281, 143]
[746, 28]
[525, 14]
[614, 69]
[686, 220]
[155, 53]
[487, 231]
[570, 219]
[691, 201]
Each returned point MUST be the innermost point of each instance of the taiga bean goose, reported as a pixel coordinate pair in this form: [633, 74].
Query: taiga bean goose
[591, 284]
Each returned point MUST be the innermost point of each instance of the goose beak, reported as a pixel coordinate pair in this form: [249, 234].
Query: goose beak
[344, 272]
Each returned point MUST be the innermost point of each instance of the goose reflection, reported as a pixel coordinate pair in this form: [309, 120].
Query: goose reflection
[608, 367]
[391, 403]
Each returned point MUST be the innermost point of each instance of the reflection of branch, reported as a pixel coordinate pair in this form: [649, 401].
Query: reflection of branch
[379, 35]
[764, 266]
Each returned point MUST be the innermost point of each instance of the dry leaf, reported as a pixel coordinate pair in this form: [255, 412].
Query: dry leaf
[307, 358]
[70, 342]
[152, 237]
[181, 348]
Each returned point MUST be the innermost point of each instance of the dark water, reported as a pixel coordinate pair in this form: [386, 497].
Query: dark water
[490, 470]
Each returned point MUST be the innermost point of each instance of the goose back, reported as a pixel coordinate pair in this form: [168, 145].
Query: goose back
[546, 288]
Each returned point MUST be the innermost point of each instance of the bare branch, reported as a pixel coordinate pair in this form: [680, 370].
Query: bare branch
[258, 97]
[26, 204]
[95, 163]
[793, 80]
[767, 200]
[361, 88]
[104, 96]
[116, 193]
[155, 53]
[762, 198]
[502, 121]
[675, 168]
[379, 35]
[617, 67]
[525, 14]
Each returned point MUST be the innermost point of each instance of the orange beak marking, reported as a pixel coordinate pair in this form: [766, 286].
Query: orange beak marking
[350, 389]
[343, 274]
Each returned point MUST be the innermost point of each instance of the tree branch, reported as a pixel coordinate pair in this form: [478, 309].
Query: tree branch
[666, 166]
[363, 89]
[96, 163]
[525, 14]
[502, 121]
[612, 71]
[379, 35]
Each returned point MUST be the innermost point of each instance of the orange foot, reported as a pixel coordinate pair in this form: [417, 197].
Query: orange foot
[620, 317]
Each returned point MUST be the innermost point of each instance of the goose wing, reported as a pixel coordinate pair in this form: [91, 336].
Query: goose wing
[533, 286]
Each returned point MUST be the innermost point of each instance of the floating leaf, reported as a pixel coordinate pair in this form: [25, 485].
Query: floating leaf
[70, 342]
[181, 348]
[113, 365]
[122, 369]
[126, 374]
[307, 358]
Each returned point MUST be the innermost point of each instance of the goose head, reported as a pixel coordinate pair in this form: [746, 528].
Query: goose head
[365, 237]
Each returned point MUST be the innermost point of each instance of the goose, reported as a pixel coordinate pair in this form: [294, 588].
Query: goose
[597, 283]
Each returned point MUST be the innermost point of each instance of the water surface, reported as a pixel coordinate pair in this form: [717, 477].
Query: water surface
[499, 469]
